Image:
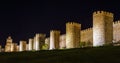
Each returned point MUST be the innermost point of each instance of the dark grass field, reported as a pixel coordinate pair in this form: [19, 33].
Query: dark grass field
[107, 54]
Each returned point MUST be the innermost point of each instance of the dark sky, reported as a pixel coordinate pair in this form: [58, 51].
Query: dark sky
[23, 19]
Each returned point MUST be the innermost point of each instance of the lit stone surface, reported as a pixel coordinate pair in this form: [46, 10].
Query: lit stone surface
[37, 42]
[14, 47]
[17, 47]
[87, 36]
[116, 31]
[22, 46]
[40, 40]
[27, 47]
[102, 28]
[73, 35]
[54, 39]
[47, 42]
[104, 31]
[89, 31]
[8, 44]
[62, 43]
[30, 44]
[34, 43]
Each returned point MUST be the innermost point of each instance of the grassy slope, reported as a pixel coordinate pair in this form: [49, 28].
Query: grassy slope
[80, 55]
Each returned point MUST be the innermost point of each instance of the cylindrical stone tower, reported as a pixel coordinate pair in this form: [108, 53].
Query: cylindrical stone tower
[30, 46]
[40, 40]
[14, 47]
[54, 39]
[73, 35]
[37, 45]
[22, 46]
[34, 43]
[102, 28]
[8, 44]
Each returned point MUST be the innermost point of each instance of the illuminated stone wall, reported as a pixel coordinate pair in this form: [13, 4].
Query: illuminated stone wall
[30, 44]
[14, 47]
[73, 35]
[17, 47]
[34, 43]
[87, 36]
[116, 31]
[104, 31]
[22, 46]
[54, 39]
[37, 44]
[8, 44]
[47, 42]
[62, 43]
[40, 40]
[102, 28]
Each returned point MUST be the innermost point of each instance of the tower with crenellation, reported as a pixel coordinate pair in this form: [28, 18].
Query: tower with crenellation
[54, 39]
[73, 35]
[104, 31]
[102, 28]
[14, 47]
[30, 44]
[40, 40]
[8, 44]
[22, 45]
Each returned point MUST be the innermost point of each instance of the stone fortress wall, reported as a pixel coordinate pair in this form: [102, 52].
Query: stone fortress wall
[72, 34]
[87, 34]
[116, 31]
[107, 24]
[54, 39]
[107, 31]
[62, 42]
[102, 28]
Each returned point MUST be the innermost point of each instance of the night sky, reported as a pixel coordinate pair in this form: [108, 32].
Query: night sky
[23, 19]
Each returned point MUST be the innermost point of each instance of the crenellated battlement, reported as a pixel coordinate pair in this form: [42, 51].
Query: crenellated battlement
[40, 35]
[103, 13]
[116, 22]
[99, 35]
[74, 24]
[86, 30]
[55, 31]
[104, 33]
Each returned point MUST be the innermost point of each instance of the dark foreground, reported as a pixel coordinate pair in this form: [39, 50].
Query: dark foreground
[106, 54]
